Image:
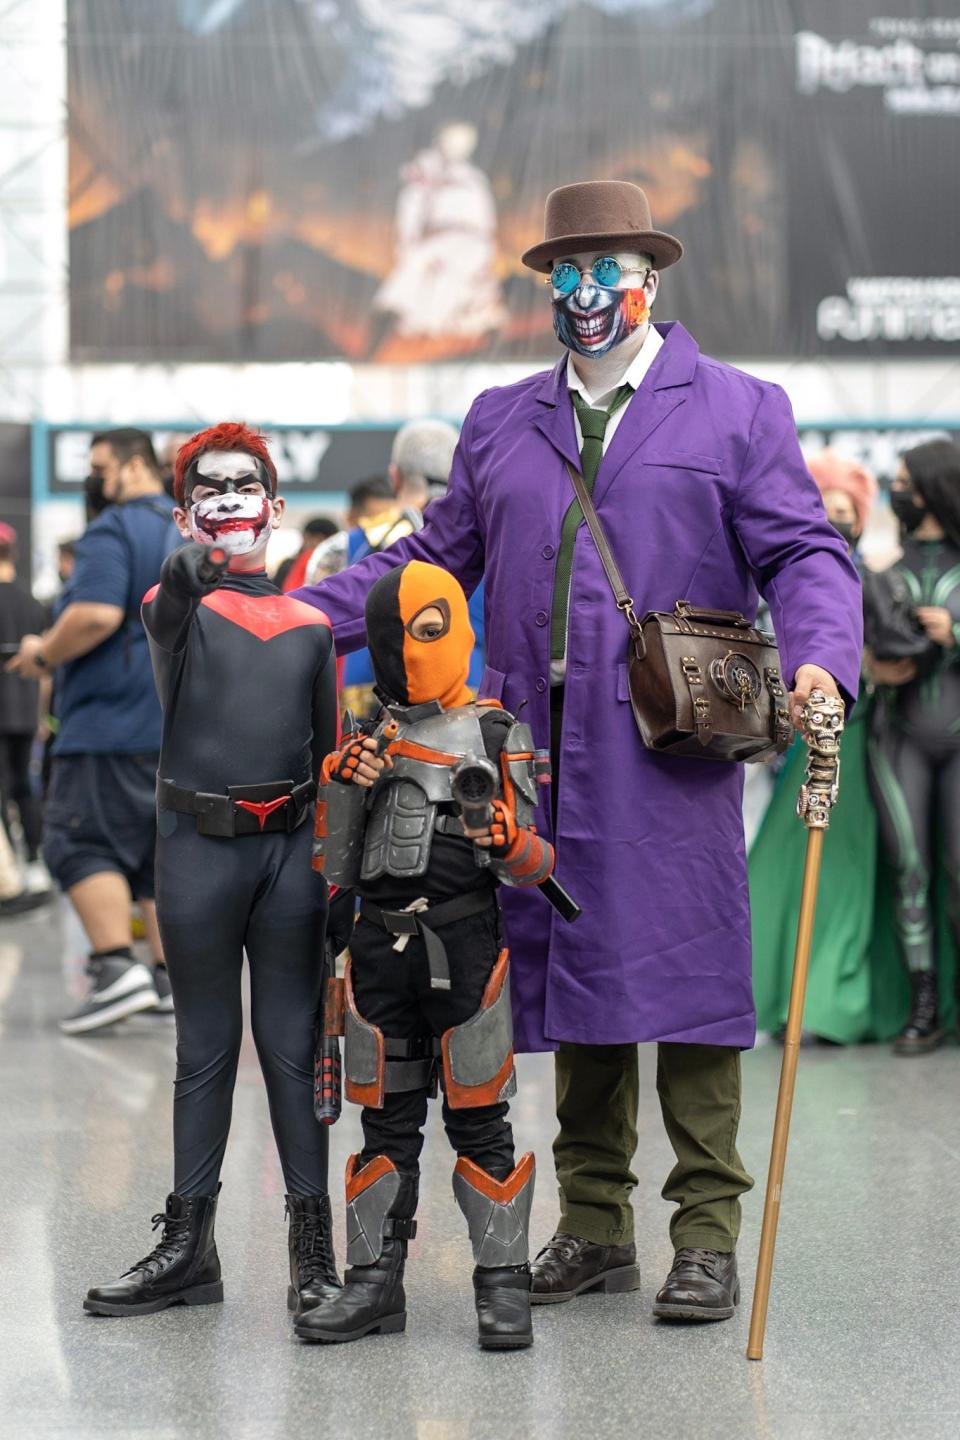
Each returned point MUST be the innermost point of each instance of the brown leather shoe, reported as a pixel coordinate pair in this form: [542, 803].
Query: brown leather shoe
[702, 1285]
[569, 1266]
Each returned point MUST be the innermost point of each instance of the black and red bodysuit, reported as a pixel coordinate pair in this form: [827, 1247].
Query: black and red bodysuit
[247, 681]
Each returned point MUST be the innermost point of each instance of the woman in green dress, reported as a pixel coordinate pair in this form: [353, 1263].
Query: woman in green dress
[849, 998]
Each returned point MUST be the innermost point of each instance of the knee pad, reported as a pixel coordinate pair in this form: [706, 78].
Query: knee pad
[478, 1054]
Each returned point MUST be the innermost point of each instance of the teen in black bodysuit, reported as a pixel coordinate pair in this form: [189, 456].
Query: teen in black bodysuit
[247, 681]
[915, 748]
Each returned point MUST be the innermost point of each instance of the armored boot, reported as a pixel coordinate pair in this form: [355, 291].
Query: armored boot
[381, 1203]
[922, 1032]
[498, 1217]
[183, 1269]
[313, 1267]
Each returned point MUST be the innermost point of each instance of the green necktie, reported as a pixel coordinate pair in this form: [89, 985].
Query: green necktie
[593, 427]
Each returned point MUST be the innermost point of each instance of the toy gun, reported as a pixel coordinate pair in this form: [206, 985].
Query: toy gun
[474, 782]
[212, 565]
[327, 1068]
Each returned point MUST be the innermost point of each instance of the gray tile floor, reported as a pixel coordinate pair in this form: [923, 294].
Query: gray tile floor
[863, 1338]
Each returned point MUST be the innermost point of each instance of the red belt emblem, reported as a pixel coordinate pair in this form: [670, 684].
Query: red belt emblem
[262, 808]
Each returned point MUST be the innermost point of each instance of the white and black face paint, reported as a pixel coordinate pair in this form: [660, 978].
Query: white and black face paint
[233, 510]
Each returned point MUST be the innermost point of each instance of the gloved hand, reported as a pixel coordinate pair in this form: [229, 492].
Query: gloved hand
[504, 830]
[356, 762]
[194, 570]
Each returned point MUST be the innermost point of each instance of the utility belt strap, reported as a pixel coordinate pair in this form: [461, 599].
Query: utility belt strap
[411, 921]
[411, 1064]
[277, 805]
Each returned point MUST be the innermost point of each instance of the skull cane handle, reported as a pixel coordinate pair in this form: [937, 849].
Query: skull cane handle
[822, 727]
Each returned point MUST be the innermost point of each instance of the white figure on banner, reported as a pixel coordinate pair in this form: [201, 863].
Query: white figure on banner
[444, 279]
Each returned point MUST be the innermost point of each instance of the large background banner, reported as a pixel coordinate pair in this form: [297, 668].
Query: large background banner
[287, 179]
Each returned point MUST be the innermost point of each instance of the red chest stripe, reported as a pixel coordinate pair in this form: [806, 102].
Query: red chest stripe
[265, 616]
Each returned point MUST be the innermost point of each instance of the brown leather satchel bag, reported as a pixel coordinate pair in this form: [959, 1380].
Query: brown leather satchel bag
[703, 683]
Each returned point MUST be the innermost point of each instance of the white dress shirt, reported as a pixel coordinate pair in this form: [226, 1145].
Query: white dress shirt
[635, 372]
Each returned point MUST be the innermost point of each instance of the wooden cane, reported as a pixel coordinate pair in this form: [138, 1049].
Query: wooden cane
[822, 727]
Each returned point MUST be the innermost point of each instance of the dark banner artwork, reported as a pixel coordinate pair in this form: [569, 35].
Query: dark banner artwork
[317, 179]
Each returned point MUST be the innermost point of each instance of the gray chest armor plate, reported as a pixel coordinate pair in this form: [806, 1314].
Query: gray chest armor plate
[402, 816]
[389, 830]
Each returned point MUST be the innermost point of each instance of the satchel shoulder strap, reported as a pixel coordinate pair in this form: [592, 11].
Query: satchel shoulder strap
[620, 594]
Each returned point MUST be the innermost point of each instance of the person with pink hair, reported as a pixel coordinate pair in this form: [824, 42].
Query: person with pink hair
[848, 491]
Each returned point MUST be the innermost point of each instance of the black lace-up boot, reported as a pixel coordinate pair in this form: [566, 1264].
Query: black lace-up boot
[381, 1203]
[702, 1285]
[183, 1269]
[922, 1032]
[313, 1267]
[568, 1266]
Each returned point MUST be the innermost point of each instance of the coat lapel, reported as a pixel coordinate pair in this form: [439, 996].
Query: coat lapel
[663, 389]
[554, 418]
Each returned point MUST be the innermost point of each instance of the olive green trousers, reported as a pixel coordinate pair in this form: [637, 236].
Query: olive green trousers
[598, 1094]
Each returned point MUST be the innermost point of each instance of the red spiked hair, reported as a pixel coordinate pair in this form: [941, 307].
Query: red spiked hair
[229, 435]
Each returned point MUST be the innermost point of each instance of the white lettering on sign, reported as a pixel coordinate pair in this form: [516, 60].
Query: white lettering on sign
[71, 455]
[914, 81]
[896, 307]
[297, 454]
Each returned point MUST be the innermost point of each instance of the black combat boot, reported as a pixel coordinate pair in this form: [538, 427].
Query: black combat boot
[922, 1032]
[381, 1203]
[183, 1269]
[313, 1267]
[498, 1218]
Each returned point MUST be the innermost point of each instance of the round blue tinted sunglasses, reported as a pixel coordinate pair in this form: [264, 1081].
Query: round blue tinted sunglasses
[565, 277]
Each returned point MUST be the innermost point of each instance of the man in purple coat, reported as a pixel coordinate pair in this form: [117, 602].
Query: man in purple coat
[698, 479]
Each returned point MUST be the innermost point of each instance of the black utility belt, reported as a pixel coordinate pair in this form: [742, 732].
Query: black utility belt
[277, 806]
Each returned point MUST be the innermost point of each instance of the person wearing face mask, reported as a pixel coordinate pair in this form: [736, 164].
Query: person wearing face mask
[99, 818]
[247, 681]
[848, 998]
[426, 986]
[697, 477]
[914, 749]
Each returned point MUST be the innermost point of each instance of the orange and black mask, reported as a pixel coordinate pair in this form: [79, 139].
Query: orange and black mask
[410, 671]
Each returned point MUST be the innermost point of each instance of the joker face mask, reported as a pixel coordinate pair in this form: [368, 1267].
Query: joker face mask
[598, 301]
[229, 503]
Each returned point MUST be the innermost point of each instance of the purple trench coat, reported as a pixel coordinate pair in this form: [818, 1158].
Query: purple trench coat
[705, 496]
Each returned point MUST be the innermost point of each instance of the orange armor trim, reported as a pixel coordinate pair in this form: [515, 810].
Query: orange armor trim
[501, 1192]
[359, 1180]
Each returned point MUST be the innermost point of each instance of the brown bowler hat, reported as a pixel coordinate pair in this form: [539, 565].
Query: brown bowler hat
[599, 215]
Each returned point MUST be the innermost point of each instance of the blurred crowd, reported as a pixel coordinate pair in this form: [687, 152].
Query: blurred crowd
[80, 738]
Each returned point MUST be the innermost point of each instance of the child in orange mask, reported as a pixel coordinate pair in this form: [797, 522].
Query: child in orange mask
[426, 986]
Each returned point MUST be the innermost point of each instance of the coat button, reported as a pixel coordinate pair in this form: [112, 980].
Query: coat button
[541, 617]
[541, 684]
[548, 552]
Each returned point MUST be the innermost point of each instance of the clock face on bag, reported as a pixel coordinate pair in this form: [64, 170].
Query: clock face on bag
[737, 679]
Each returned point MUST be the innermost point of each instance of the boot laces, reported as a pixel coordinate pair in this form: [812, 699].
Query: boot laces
[560, 1247]
[708, 1260]
[175, 1232]
[314, 1240]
